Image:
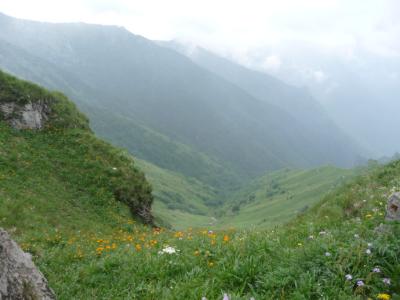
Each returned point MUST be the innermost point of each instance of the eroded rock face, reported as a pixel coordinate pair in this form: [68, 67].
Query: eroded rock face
[19, 278]
[28, 116]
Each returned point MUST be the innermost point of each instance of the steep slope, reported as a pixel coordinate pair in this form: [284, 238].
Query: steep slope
[295, 101]
[59, 165]
[167, 93]
[122, 131]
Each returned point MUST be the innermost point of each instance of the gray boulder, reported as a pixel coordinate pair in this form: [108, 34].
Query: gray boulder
[393, 207]
[26, 116]
[19, 278]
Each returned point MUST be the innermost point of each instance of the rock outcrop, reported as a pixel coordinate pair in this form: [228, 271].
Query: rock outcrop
[19, 278]
[393, 208]
[27, 116]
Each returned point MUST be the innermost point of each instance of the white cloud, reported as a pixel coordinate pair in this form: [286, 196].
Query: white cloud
[272, 63]
[319, 76]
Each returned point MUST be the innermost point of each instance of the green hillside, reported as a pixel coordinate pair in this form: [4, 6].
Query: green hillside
[180, 202]
[62, 169]
[65, 197]
[281, 195]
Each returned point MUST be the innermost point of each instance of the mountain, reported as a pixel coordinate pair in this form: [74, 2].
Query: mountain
[297, 102]
[51, 161]
[66, 198]
[132, 80]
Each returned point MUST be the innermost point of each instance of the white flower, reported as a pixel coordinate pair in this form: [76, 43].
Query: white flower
[311, 237]
[226, 297]
[328, 254]
[376, 270]
[168, 250]
[360, 283]
[203, 298]
[386, 281]
[348, 277]
[356, 236]
[114, 169]
[368, 251]
[369, 245]
[323, 232]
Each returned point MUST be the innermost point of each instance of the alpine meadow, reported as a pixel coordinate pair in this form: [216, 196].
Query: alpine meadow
[220, 151]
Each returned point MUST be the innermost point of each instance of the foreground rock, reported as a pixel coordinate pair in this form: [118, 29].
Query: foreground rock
[19, 278]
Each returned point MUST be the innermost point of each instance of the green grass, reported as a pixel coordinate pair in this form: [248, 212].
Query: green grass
[89, 253]
[279, 196]
[59, 192]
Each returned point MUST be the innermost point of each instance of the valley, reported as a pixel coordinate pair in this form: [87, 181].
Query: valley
[133, 168]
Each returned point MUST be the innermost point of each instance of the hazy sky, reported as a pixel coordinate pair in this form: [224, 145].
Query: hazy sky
[237, 26]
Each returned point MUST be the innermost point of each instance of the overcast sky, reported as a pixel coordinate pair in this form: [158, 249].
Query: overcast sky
[236, 26]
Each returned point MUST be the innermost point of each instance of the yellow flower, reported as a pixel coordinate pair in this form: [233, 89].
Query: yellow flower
[197, 253]
[368, 216]
[299, 244]
[179, 234]
[210, 264]
[383, 297]
[226, 238]
[138, 247]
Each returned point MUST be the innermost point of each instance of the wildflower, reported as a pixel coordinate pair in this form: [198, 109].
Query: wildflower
[226, 238]
[299, 244]
[210, 232]
[386, 281]
[197, 253]
[168, 250]
[368, 216]
[210, 264]
[356, 236]
[322, 232]
[179, 235]
[138, 247]
[360, 283]
[369, 245]
[311, 237]
[376, 270]
[328, 254]
[114, 169]
[203, 298]
[348, 277]
[383, 297]
[368, 251]
[226, 297]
